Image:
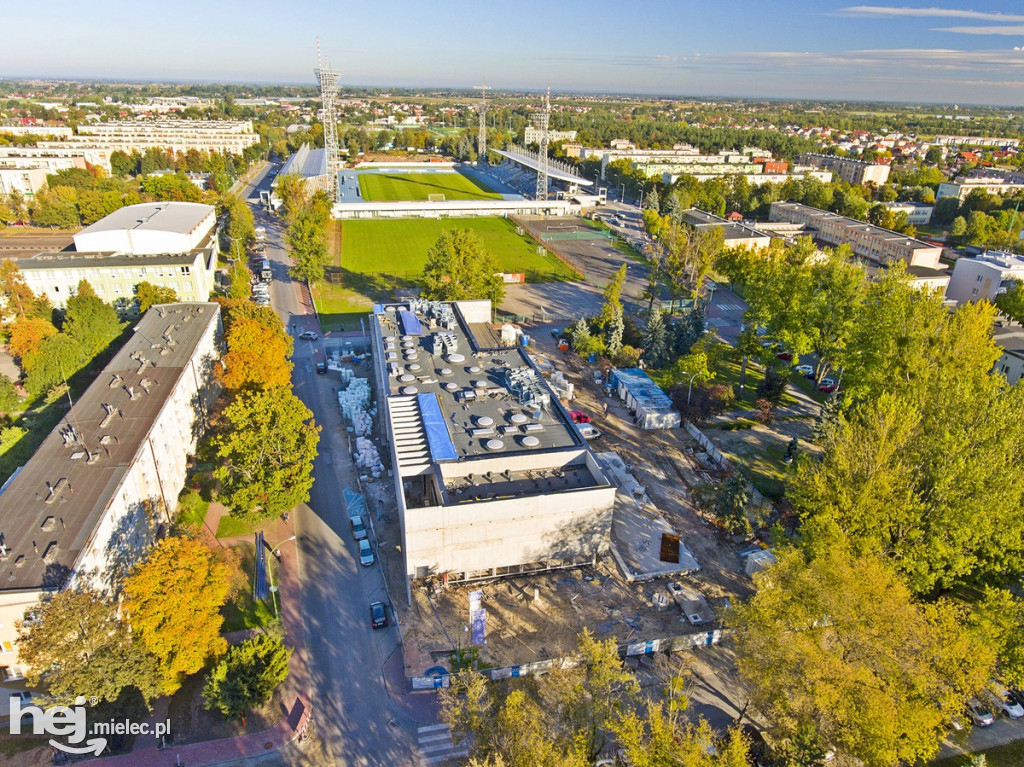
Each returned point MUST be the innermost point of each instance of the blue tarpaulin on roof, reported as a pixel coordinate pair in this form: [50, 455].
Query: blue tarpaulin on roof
[410, 324]
[441, 446]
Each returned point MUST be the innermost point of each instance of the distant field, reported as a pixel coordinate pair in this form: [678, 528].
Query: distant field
[395, 187]
[377, 256]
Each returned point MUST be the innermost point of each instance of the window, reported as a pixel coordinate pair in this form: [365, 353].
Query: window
[185, 270]
[10, 673]
[56, 288]
[978, 278]
[974, 292]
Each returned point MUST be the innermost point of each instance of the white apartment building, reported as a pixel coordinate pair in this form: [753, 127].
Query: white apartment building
[849, 170]
[86, 506]
[492, 476]
[984, 277]
[1011, 363]
[877, 245]
[35, 129]
[53, 158]
[993, 141]
[24, 181]
[964, 186]
[918, 213]
[532, 136]
[232, 136]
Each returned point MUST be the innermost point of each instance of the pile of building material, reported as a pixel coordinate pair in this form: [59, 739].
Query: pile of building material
[564, 390]
[366, 457]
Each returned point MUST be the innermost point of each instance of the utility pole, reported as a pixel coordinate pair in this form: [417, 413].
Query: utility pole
[481, 139]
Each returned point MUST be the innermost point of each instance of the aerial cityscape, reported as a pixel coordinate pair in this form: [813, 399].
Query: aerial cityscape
[625, 386]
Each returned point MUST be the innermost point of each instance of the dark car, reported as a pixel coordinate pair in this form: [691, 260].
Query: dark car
[321, 368]
[378, 615]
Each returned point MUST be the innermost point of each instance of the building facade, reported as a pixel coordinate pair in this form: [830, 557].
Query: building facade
[960, 189]
[918, 213]
[88, 504]
[849, 170]
[532, 136]
[872, 243]
[178, 136]
[491, 474]
[984, 277]
[24, 181]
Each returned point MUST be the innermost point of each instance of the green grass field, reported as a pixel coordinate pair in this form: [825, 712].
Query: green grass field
[377, 256]
[392, 187]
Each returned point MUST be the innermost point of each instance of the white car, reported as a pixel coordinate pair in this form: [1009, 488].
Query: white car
[365, 553]
[979, 714]
[1009, 705]
[807, 371]
[308, 335]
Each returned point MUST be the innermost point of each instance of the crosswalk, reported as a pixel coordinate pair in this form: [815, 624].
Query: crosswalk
[436, 747]
[730, 307]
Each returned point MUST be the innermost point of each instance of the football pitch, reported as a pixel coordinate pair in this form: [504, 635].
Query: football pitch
[399, 248]
[402, 187]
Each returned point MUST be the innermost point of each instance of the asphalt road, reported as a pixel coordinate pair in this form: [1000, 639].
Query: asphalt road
[352, 711]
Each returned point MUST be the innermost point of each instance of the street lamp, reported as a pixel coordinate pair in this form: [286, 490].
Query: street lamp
[689, 389]
[277, 555]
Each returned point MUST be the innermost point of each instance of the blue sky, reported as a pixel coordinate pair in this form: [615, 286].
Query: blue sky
[937, 50]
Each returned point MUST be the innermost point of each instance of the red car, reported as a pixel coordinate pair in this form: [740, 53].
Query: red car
[785, 356]
[578, 416]
[828, 386]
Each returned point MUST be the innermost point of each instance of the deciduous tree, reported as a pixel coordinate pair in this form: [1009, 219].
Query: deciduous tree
[240, 286]
[147, 294]
[255, 358]
[26, 336]
[267, 444]
[1011, 302]
[90, 321]
[182, 633]
[247, 676]
[839, 656]
[459, 268]
[18, 299]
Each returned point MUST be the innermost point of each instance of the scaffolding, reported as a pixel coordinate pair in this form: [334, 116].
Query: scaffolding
[329, 79]
[541, 120]
[481, 139]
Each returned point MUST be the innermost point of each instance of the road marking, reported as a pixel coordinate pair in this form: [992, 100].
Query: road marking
[730, 307]
[432, 728]
[436, 746]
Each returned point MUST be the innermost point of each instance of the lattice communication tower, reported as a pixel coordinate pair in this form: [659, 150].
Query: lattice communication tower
[541, 120]
[329, 79]
[481, 139]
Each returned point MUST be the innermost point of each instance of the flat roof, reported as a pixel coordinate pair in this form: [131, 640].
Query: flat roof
[531, 162]
[73, 259]
[306, 162]
[642, 389]
[177, 217]
[50, 510]
[472, 380]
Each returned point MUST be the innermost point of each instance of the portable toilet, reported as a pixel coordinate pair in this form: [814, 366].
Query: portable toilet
[508, 335]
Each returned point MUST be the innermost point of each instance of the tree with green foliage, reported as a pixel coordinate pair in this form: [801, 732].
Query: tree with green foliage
[266, 445]
[247, 676]
[307, 240]
[241, 228]
[651, 201]
[77, 645]
[655, 340]
[837, 291]
[612, 306]
[240, 281]
[90, 321]
[1011, 302]
[9, 398]
[147, 294]
[57, 359]
[294, 195]
[613, 336]
[838, 655]
[459, 267]
[183, 634]
[727, 501]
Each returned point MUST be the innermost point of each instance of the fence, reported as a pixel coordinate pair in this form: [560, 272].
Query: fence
[720, 460]
[563, 257]
[648, 647]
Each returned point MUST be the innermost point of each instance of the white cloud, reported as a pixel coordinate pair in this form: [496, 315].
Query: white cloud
[1017, 30]
[947, 13]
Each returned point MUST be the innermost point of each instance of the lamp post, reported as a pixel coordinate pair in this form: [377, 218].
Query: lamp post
[689, 389]
[277, 555]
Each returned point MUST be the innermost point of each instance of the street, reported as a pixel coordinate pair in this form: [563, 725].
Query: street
[352, 710]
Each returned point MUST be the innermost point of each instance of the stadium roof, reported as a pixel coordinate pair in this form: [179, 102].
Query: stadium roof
[530, 162]
[306, 162]
[176, 217]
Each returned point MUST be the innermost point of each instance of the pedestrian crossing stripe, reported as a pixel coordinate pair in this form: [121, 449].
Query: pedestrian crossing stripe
[436, 746]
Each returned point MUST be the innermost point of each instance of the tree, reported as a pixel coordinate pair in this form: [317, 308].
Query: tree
[727, 501]
[459, 267]
[1011, 302]
[958, 229]
[267, 444]
[241, 225]
[240, 286]
[839, 655]
[90, 321]
[18, 299]
[612, 306]
[255, 358]
[9, 397]
[613, 341]
[76, 645]
[934, 155]
[57, 359]
[656, 737]
[655, 339]
[836, 294]
[26, 336]
[307, 239]
[182, 633]
[690, 255]
[123, 164]
[651, 201]
[247, 676]
[147, 294]
[293, 193]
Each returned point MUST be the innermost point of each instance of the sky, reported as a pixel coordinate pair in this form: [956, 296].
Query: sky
[969, 52]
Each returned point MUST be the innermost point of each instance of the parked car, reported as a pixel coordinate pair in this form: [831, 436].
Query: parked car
[785, 356]
[578, 416]
[588, 432]
[1007, 702]
[321, 368]
[378, 615]
[807, 371]
[365, 553]
[828, 386]
[981, 716]
[308, 335]
[358, 528]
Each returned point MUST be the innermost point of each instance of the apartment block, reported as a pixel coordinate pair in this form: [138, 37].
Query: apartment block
[849, 170]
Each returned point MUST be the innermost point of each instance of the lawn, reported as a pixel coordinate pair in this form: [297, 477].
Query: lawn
[230, 526]
[392, 187]
[1008, 755]
[377, 256]
[340, 308]
[242, 611]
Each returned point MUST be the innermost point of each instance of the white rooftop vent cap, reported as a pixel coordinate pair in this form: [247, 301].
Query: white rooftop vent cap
[494, 444]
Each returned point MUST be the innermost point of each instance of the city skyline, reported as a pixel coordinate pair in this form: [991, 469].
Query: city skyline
[945, 52]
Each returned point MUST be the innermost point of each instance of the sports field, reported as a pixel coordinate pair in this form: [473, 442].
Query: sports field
[399, 247]
[394, 187]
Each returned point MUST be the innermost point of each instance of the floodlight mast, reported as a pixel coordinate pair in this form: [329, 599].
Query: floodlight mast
[541, 119]
[481, 140]
[328, 79]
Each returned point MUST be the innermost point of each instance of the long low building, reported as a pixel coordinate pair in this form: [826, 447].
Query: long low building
[872, 243]
[960, 189]
[88, 504]
[735, 234]
[491, 474]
